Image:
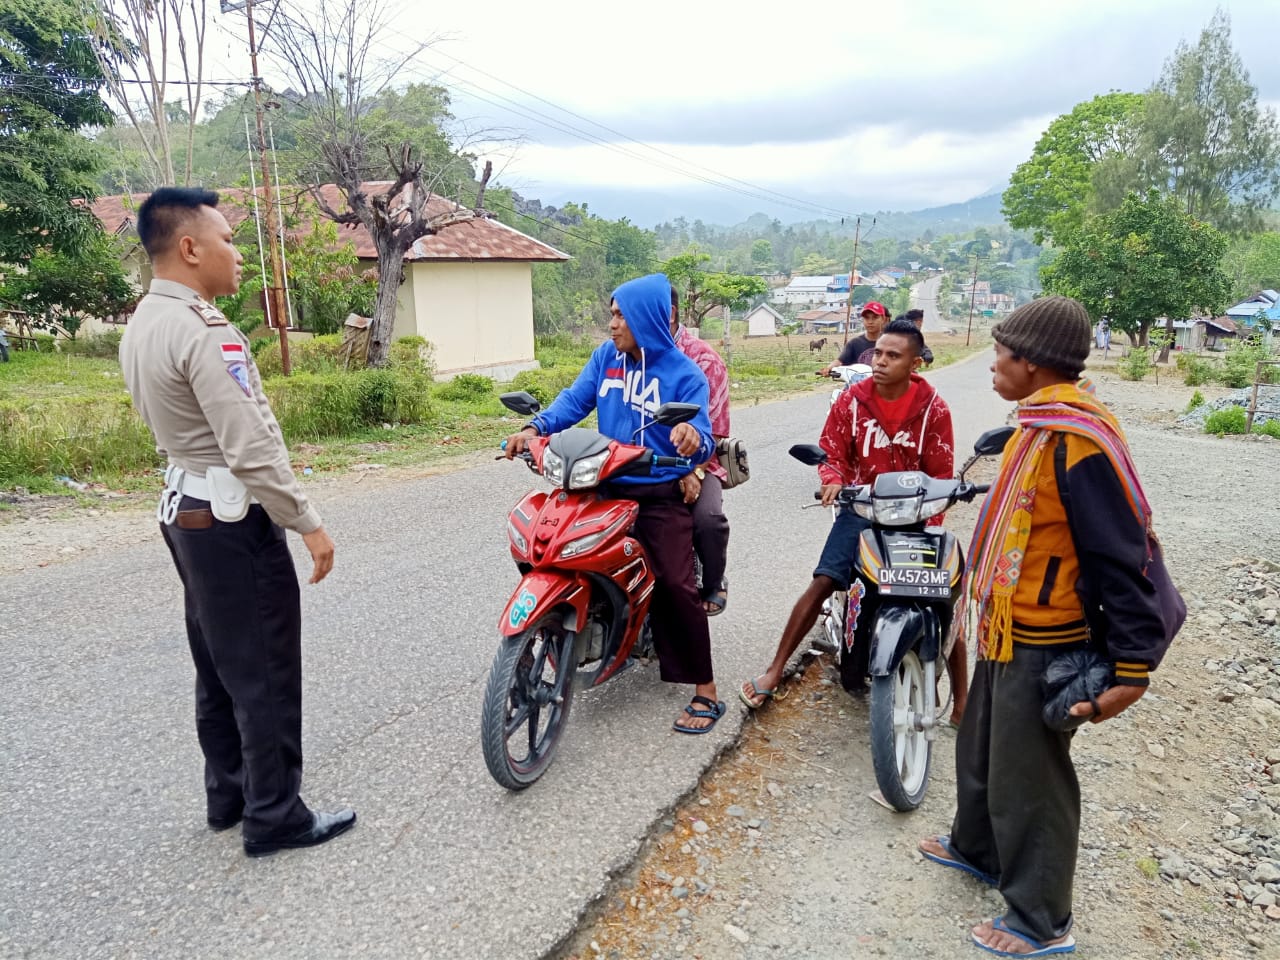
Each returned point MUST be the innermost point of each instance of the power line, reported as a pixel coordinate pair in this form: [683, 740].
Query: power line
[774, 193]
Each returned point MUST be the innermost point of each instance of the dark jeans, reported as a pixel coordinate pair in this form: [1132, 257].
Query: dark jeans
[1018, 815]
[665, 530]
[711, 533]
[244, 627]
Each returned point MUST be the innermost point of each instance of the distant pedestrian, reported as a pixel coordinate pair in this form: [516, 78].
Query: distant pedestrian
[916, 316]
[229, 490]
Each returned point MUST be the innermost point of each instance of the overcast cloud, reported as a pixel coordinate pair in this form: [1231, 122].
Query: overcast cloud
[862, 107]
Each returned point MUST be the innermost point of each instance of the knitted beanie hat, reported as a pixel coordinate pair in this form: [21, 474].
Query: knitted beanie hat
[1051, 331]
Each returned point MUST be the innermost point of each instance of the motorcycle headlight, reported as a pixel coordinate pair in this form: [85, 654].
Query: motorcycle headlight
[931, 508]
[517, 538]
[586, 472]
[581, 545]
[553, 467]
[897, 511]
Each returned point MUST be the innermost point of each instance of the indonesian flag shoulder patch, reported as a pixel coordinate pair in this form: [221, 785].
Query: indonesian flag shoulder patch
[231, 352]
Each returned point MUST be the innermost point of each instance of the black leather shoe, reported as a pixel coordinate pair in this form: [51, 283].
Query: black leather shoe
[218, 824]
[324, 826]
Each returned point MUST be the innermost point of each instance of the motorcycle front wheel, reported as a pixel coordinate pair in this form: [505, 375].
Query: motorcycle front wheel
[526, 702]
[900, 751]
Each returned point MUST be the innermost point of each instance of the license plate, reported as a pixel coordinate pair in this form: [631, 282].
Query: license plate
[915, 582]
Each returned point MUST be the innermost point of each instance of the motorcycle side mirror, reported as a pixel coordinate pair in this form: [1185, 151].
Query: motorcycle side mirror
[992, 442]
[521, 402]
[669, 414]
[809, 453]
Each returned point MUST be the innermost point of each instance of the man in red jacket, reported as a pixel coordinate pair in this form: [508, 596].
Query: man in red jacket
[893, 421]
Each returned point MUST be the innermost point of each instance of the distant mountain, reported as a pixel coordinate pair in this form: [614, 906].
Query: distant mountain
[649, 208]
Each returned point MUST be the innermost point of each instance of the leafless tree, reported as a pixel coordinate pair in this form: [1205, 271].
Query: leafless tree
[330, 54]
[148, 47]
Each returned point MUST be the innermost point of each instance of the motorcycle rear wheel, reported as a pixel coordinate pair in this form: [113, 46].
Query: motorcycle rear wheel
[900, 750]
[526, 702]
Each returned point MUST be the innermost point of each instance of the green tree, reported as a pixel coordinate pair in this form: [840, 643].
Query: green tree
[701, 291]
[1253, 264]
[49, 90]
[1147, 260]
[1204, 138]
[65, 287]
[1051, 193]
[762, 256]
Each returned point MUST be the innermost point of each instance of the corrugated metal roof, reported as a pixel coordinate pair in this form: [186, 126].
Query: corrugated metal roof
[471, 240]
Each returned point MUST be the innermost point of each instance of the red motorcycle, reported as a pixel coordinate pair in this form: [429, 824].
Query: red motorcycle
[579, 613]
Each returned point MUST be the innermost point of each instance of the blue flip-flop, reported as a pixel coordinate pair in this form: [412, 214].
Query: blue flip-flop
[1038, 949]
[715, 710]
[953, 860]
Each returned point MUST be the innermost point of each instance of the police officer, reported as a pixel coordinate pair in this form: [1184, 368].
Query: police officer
[229, 491]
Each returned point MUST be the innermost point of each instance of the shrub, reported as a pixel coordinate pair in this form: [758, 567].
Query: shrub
[545, 384]
[1195, 371]
[105, 345]
[466, 388]
[412, 353]
[1197, 400]
[258, 344]
[1230, 420]
[1241, 362]
[1136, 365]
[310, 406]
[563, 350]
[1269, 429]
[314, 355]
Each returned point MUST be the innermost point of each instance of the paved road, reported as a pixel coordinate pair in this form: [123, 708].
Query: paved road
[105, 853]
[925, 296]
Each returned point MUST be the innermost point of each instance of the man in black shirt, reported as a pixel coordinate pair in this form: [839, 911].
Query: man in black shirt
[874, 316]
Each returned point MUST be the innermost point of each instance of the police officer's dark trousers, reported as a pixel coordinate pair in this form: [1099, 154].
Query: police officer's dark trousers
[244, 627]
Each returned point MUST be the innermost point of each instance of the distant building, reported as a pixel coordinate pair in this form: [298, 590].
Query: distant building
[764, 321]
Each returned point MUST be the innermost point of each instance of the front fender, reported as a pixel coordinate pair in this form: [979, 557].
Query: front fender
[542, 590]
[897, 629]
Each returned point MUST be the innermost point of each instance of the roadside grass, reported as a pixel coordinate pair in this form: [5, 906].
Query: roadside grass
[66, 420]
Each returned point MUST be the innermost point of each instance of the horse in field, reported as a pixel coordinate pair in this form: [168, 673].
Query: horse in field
[817, 344]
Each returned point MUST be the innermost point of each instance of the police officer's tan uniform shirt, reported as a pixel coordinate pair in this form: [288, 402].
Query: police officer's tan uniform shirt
[195, 384]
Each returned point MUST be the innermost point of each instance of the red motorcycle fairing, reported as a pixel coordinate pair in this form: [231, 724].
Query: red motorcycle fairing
[542, 590]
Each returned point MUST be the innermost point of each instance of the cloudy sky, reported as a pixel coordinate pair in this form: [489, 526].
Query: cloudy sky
[719, 110]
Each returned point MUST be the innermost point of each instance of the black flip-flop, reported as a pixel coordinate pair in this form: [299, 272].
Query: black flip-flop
[715, 710]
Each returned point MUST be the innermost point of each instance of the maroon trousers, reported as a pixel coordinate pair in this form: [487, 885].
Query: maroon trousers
[665, 530]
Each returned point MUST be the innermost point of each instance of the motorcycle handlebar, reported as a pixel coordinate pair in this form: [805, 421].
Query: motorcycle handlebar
[671, 461]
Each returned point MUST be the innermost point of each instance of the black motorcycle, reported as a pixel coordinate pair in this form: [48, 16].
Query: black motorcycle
[895, 623]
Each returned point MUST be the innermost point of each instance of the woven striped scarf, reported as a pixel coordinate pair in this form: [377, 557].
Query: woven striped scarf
[1004, 525]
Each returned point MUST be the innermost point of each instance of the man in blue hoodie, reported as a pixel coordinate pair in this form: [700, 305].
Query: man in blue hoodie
[625, 382]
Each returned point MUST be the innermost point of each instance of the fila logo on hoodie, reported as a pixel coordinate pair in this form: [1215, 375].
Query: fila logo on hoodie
[638, 395]
[875, 438]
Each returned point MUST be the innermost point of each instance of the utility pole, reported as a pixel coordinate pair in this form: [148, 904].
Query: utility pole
[853, 275]
[276, 314]
[973, 290]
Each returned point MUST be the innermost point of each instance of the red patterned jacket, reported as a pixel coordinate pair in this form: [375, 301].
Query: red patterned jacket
[713, 368]
[859, 450]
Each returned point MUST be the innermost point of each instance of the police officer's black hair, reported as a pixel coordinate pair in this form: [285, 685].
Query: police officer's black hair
[905, 328]
[164, 211]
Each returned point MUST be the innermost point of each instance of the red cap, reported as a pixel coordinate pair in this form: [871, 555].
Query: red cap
[876, 307]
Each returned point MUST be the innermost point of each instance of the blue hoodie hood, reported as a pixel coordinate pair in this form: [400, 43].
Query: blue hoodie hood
[625, 393]
[646, 306]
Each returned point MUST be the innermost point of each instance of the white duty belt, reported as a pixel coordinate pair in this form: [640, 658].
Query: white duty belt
[227, 497]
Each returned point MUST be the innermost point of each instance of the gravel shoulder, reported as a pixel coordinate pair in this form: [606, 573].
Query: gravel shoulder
[781, 852]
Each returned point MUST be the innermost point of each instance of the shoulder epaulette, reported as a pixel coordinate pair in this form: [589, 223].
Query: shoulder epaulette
[210, 314]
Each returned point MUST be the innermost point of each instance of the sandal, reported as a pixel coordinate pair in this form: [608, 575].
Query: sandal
[1036, 948]
[715, 710]
[953, 860]
[717, 599]
[748, 696]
